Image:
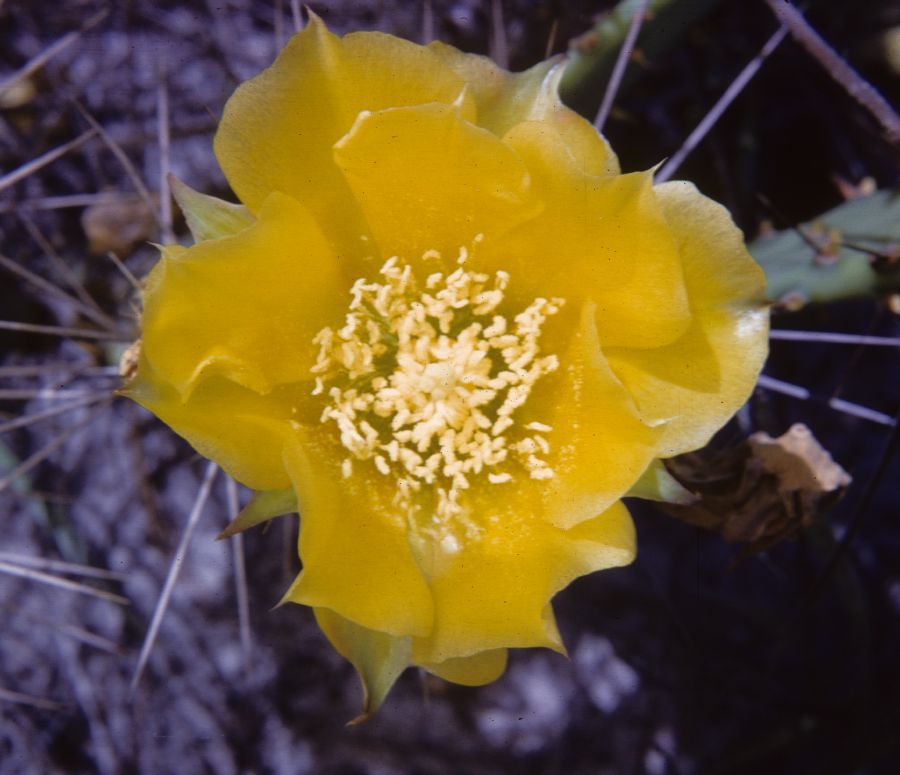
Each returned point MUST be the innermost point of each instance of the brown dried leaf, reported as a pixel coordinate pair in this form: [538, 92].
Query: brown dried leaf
[128, 363]
[762, 491]
[799, 461]
[118, 224]
[17, 93]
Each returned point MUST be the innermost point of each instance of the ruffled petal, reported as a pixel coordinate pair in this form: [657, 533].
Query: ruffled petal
[356, 558]
[245, 307]
[600, 445]
[379, 658]
[427, 179]
[603, 238]
[505, 99]
[493, 591]
[278, 128]
[237, 428]
[699, 381]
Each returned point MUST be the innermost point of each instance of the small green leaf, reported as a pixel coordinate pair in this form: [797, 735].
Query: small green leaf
[657, 484]
[264, 506]
[207, 216]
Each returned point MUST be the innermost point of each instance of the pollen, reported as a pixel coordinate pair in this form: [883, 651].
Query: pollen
[425, 382]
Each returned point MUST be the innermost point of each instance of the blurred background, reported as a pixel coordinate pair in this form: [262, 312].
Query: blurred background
[774, 651]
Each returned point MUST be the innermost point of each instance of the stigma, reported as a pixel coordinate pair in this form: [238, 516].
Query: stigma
[425, 380]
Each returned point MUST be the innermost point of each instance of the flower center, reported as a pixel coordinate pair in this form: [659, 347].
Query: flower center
[425, 383]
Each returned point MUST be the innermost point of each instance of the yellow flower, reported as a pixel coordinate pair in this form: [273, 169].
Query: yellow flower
[446, 328]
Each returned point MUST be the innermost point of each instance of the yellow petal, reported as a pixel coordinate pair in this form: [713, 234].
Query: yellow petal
[245, 307]
[240, 430]
[278, 128]
[600, 237]
[428, 179]
[493, 591]
[699, 381]
[356, 559]
[476, 670]
[379, 658]
[600, 445]
[505, 99]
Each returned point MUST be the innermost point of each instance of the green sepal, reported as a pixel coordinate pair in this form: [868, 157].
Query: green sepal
[262, 507]
[379, 658]
[207, 216]
[657, 484]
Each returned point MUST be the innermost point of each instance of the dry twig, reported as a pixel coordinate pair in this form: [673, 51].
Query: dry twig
[37, 62]
[838, 68]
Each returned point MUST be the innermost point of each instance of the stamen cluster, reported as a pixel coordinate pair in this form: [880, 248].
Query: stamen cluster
[426, 383]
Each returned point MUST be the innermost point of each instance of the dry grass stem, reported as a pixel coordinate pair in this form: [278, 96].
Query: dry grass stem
[51, 621]
[715, 113]
[51, 394]
[829, 338]
[55, 581]
[427, 21]
[68, 331]
[838, 404]
[38, 61]
[862, 510]
[122, 158]
[65, 271]
[60, 566]
[165, 595]
[278, 24]
[164, 137]
[27, 420]
[39, 369]
[29, 168]
[297, 15]
[125, 271]
[83, 687]
[48, 449]
[92, 639]
[551, 38]
[59, 202]
[26, 699]
[498, 44]
[615, 79]
[240, 582]
[45, 285]
[69, 368]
